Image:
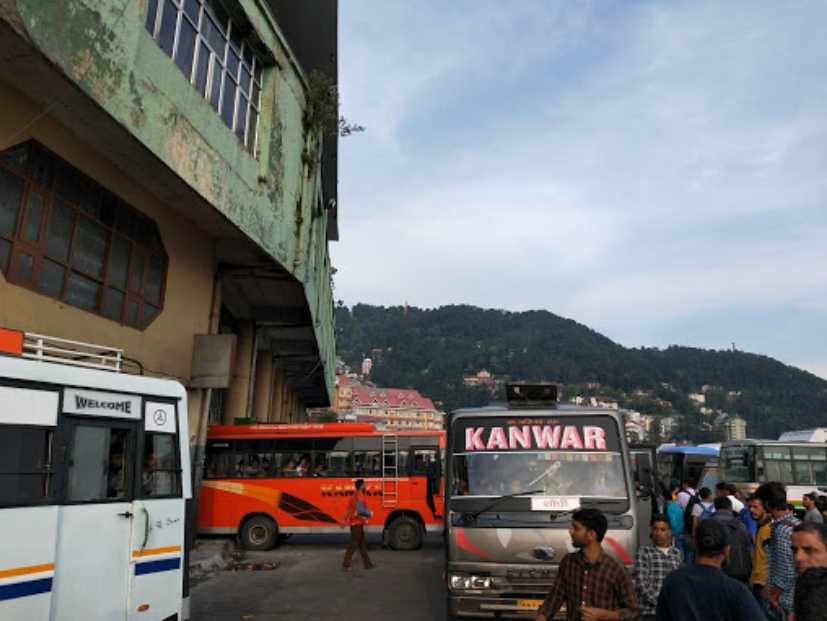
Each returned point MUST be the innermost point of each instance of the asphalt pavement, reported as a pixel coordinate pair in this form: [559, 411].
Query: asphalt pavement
[308, 583]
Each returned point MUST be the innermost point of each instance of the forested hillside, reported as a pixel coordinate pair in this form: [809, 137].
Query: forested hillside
[432, 349]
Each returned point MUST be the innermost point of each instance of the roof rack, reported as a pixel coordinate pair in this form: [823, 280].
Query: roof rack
[77, 353]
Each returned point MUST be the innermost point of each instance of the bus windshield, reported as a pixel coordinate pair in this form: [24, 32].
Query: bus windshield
[737, 464]
[557, 473]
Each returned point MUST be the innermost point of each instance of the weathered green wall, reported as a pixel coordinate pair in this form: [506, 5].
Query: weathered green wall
[104, 47]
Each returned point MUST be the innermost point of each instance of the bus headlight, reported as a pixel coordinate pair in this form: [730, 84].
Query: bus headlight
[465, 582]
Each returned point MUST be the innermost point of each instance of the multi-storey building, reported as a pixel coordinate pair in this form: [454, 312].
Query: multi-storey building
[389, 408]
[166, 187]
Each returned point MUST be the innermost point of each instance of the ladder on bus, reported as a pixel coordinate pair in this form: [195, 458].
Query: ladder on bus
[390, 470]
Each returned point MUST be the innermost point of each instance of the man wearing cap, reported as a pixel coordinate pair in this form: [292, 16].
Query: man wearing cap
[702, 592]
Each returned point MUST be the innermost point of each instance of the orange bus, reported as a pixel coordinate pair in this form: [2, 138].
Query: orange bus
[263, 482]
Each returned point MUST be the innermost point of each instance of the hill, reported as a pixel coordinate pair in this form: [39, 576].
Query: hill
[432, 349]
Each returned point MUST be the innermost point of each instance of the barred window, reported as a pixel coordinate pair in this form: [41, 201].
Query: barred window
[216, 55]
[63, 235]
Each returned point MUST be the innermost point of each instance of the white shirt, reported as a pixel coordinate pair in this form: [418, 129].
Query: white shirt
[684, 497]
[737, 505]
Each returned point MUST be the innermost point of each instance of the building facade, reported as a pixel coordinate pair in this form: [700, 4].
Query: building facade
[164, 189]
[387, 408]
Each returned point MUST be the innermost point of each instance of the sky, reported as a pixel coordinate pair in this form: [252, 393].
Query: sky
[654, 170]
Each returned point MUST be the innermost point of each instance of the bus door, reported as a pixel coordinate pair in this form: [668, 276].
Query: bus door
[95, 523]
[425, 476]
[158, 518]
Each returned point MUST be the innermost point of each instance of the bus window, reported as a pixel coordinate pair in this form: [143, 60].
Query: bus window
[367, 457]
[332, 457]
[219, 460]
[737, 463]
[294, 457]
[25, 465]
[778, 464]
[810, 466]
[424, 460]
[100, 464]
[161, 474]
[254, 458]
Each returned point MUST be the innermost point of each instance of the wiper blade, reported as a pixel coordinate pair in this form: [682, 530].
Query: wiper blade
[471, 517]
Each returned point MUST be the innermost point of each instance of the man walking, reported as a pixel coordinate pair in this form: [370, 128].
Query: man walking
[591, 584]
[653, 563]
[780, 588]
[356, 516]
[702, 592]
[704, 509]
[760, 554]
[811, 507]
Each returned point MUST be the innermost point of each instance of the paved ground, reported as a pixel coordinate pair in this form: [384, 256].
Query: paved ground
[309, 584]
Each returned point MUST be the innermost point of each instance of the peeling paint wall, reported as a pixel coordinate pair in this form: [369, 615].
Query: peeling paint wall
[103, 46]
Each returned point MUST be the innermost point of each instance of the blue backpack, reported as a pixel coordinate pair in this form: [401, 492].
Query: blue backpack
[706, 512]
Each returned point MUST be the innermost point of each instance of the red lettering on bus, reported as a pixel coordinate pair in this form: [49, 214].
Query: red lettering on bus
[571, 438]
[595, 437]
[546, 436]
[473, 439]
[497, 439]
[519, 435]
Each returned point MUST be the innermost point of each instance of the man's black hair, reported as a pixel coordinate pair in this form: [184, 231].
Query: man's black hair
[811, 595]
[812, 527]
[660, 517]
[359, 483]
[593, 519]
[732, 489]
[705, 493]
[711, 538]
[722, 486]
[723, 502]
[773, 495]
[811, 495]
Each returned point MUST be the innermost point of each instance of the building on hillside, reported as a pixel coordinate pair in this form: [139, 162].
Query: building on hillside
[367, 366]
[735, 428]
[388, 408]
[668, 426]
[604, 402]
[481, 378]
[698, 397]
[162, 191]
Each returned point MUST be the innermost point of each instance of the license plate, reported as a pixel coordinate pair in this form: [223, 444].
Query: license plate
[532, 604]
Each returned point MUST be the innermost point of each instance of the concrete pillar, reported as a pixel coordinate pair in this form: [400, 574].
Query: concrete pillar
[277, 408]
[262, 394]
[239, 391]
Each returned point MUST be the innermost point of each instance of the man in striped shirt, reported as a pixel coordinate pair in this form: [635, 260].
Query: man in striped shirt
[780, 589]
[653, 563]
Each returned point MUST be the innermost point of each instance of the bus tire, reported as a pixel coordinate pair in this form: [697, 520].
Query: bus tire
[405, 533]
[259, 533]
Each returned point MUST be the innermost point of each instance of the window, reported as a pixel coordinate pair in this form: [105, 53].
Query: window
[332, 457]
[216, 55]
[64, 236]
[25, 465]
[254, 458]
[161, 474]
[99, 464]
[219, 462]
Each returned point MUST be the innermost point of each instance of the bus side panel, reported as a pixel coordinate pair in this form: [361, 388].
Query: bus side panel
[303, 504]
[27, 562]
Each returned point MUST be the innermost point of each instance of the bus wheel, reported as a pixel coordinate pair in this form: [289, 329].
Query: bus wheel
[405, 533]
[259, 533]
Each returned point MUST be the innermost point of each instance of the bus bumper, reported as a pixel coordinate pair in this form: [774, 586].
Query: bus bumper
[493, 607]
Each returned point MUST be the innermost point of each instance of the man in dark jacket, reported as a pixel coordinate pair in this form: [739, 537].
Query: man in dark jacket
[702, 592]
[738, 564]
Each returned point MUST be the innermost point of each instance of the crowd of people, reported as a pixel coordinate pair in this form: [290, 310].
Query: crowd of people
[713, 556]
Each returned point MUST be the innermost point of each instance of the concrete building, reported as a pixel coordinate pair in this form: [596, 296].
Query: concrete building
[735, 428]
[166, 187]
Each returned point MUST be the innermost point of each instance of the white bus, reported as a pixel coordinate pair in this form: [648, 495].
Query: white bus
[94, 484]
[800, 466]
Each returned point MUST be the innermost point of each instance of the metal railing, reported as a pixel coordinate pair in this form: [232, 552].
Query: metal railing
[390, 470]
[77, 353]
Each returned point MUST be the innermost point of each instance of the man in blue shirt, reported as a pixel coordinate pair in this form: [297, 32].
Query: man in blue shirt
[702, 592]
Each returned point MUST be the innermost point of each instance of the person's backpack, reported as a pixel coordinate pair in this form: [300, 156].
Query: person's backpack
[738, 564]
[687, 513]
